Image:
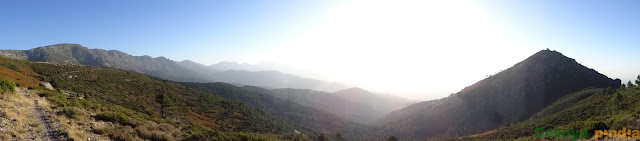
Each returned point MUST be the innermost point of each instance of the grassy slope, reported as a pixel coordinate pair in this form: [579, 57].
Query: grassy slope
[125, 101]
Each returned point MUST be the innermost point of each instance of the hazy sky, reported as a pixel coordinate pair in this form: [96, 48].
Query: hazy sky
[420, 49]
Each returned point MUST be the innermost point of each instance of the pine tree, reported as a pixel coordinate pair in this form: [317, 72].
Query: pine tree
[630, 85]
[165, 102]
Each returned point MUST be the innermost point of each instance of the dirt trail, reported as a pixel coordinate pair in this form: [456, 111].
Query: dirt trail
[46, 132]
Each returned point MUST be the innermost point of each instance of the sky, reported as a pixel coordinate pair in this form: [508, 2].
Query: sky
[417, 49]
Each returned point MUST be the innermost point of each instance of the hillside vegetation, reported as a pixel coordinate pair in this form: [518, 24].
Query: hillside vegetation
[184, 71]
[288, 110]
[508, 97]
[120, 105]
[589, 109]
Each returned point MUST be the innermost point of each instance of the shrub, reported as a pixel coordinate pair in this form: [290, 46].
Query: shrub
[295, 137]
[46, 93]
[116, 118]
[160, 136]
[594, 125]
[121, 133]
[7, 86]
[617, 122]
[70, 112]
[527, 138]
[225, 136]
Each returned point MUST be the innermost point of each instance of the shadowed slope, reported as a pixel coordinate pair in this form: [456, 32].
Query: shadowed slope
[507, 97]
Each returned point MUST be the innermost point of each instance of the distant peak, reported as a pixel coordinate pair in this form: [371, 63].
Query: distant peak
[187, 61]
[547, 51]
[549, 55]
[63, 45]
[353, 90]
[228, 62]
[66, 44]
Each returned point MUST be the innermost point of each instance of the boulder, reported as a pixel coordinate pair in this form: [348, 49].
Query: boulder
[47, 85]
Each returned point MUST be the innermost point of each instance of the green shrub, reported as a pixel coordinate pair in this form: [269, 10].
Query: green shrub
[70, 112]
[7, 86]
[46, 93]
[594, 125]
[116, 118]
[619, 121]
[226, 136]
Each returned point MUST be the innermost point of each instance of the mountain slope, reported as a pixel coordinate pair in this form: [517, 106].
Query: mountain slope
[199, 68]
[353, 104]
[121, 105]
[226, 65]
[302, 115]
[510, 96]
[77, 54]
[136, 91]
[184, 71]
[272, 79]
[590, 109]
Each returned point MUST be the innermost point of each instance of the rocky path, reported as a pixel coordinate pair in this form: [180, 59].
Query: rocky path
[27, 116]
[48, 134]
[42, 129]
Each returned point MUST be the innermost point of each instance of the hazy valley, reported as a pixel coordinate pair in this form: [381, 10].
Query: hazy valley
[110, 95]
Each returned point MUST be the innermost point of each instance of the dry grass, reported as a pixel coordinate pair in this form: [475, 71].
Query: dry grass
[74, 126]
[77, 134]
[22, 123]
[146, 131]
[17, 110]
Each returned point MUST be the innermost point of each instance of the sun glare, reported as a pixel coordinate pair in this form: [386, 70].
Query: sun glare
[377, 44]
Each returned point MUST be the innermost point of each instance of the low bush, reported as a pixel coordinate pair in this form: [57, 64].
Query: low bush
[619, 121]
[227, 136]
[116, 118]
[594, 125]
[7, 86]
[46, 93]
[70, 112]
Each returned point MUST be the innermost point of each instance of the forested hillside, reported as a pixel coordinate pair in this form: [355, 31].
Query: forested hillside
[128, 102]
[288, 110]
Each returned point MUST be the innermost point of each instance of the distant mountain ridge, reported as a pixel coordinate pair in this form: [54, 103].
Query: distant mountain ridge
[354, 104]
[77, 54]
[183, 71]
[227, 65]
[274, 80]
[510, 96]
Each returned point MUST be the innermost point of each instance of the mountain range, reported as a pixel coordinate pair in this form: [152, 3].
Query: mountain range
[354, 104]
[547, 90]
[77, 54]
[183, 71]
